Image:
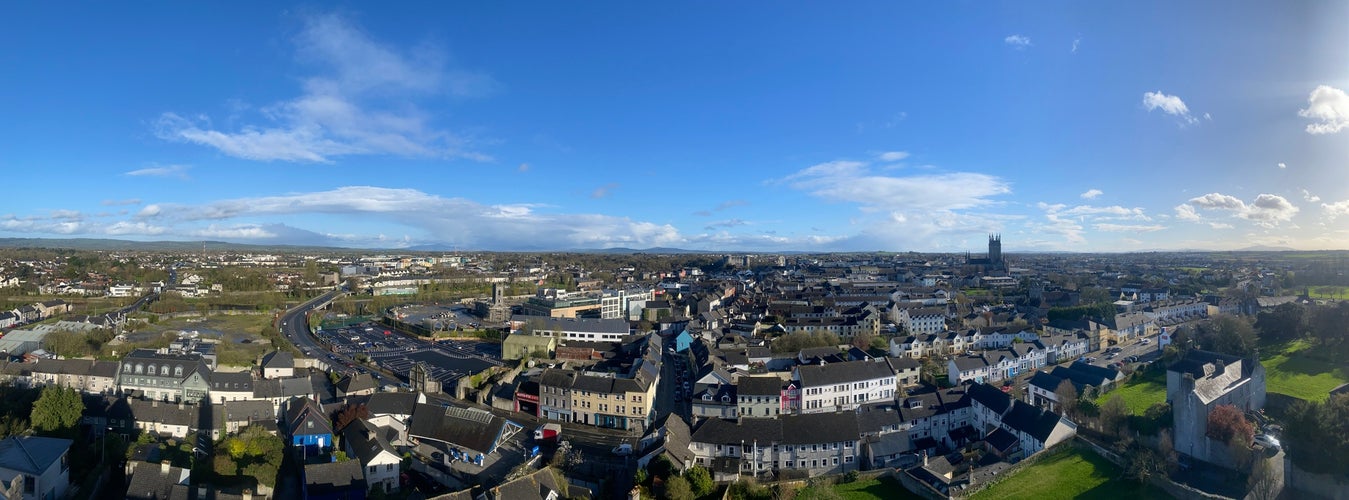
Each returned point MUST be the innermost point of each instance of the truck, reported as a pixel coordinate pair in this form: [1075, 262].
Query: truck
[548, 432]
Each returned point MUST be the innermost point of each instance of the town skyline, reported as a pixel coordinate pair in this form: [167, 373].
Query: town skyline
[865, 127]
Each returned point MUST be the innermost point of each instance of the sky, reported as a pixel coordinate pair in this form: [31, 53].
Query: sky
[736, 127]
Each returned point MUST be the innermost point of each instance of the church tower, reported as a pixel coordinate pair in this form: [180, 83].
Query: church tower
[995, 249]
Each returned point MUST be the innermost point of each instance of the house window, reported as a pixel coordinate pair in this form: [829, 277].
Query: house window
[29, 484]
[178, 371]
[152, 369]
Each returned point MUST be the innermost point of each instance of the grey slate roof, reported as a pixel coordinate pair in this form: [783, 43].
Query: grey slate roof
[841, 373]
[473, 429]
[356, 382]
[31, 454]
[243, 411]
[232, 381]
[760, 386]
[720, 431]
[1035, 422]
[534, 486]
[152, 482]
[365, 440]
[391, 403]
[278, 359]
[814, 428]
[333, 477]
[163, 413]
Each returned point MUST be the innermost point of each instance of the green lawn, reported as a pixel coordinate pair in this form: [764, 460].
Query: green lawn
[1069, 473]
[886, 488]
[1140, 393]
[1289, 371]
[1327, 292]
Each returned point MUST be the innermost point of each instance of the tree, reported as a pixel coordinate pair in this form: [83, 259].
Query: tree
[58, 411]
[1113, 413]
[1226, 423]
[1066, 396]
[678, 488]
[1166, 447]
[349, 414]
[1264, 482]
[700, 480]
[862, 340]
[1287, 321]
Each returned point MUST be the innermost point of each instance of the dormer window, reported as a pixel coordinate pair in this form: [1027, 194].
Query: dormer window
[152, 369]
[178, 371]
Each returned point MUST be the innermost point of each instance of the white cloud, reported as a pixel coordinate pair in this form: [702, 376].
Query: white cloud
[853, 182]
[1220, 225]
[893, 155]
[1091, 194]
[1187, 213]
[1076, 41]
[524, 167]
[1337, 209]
[1283, 165]
[1017, 41]
[1267, 210]
[1218, 201]
[603, 191]
[1308, 196]
[360, 103]
[179, 171]
[1129, 228]
[1169, 104]
[1328, 107]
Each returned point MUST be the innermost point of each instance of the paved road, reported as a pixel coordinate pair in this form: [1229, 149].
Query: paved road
[294, 325]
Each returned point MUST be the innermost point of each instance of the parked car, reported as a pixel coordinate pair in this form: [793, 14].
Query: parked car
[1146, 341]
[1267, 441]
[623, 450]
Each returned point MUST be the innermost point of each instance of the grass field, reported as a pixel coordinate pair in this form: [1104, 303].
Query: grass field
[886, 488]
[1328, 292]
[1140, 393]
[1288, 370]
[1069, 473]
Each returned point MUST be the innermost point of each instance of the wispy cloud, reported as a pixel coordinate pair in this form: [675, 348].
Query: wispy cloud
[362, 103]
[1328, 108]
[1076, 41]
[1128, 228]
[1091, 194]
[524, 167]
[853, 182]
[1283, 165]
[603, 191]
[725, 224]
[893, 155]
[119, 203]
[1017, 41]
[721, 207]
[1309, 197]
[1169, 104]
[178, 171]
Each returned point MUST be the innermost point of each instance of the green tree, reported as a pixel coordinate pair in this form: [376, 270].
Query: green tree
[700, 480]
[678, 488]
[57, 412]
[1287, 321]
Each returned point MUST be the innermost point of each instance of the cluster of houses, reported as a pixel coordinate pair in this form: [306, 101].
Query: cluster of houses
[177, 393]
[29, 313]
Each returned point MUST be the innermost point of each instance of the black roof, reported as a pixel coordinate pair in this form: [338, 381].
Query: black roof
[991, 397]
[470, 428]
[1001, 440]
[1036, 422]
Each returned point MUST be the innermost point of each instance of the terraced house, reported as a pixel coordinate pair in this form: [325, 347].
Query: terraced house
[842, 386]
[605, 400]
[797, 446]
[164, 377]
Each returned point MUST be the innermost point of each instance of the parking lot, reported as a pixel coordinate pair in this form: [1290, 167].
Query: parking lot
[397, 352]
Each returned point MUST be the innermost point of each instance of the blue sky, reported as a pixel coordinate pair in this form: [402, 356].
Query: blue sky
[747, 127]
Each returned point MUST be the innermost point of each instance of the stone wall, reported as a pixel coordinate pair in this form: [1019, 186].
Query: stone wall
[1315, 485]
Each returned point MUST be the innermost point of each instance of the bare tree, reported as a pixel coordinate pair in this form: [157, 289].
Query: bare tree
[1265, 483]
[1066, 395]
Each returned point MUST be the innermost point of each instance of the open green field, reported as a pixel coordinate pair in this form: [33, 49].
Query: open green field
[1140, 393]
[1289, 370]
[1328, 292]
[1069, 473]
[879, 488]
